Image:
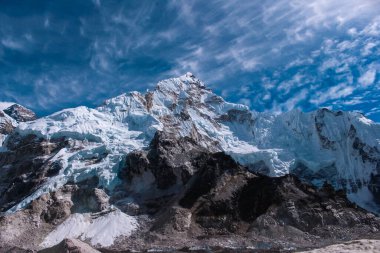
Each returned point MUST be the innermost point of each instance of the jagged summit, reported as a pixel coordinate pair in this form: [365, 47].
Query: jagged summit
[17, 112]
[20, 113]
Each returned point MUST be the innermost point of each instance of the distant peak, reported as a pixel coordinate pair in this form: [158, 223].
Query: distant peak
[20, 113]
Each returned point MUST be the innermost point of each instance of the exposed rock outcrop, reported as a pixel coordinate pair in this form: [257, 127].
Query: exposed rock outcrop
[48, 211]
[25, 165]
[359, 246]
[70, 246]
[10, 116]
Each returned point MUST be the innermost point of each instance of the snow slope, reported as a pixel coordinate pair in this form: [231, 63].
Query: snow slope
[342, 147]
[101, 231]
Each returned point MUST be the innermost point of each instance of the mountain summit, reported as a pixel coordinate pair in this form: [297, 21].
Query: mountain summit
[168, 153]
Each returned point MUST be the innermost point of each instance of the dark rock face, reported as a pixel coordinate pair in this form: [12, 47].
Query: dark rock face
[6, 126]
[317, 178]
[47, 212]
[374, 187]
[54, 207]
[154, 176]
[288, 202]
[368, 153]
[25, 166]
[220, 197]
[319, 125]
[225, 198]
[16, 182]
[20, 113]
[88, 198]
[210, 168]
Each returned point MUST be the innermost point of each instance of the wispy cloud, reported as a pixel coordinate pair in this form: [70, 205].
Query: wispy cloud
[11, 43]
[369, 76]
[335, 92]
[97, 3]
[270, 55]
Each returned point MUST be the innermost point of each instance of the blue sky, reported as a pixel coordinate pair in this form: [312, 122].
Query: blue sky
[271, 55]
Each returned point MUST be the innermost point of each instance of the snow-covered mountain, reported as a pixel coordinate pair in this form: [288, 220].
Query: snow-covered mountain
[340, 147]
[137, 154]
[10, 115]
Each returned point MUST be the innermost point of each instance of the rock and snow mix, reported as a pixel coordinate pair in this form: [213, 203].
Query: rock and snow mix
[74, 146]
[7, 123]
[342, 147]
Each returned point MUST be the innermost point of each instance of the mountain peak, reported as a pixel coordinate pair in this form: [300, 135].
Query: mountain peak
[179, 136]
[20, 113]
[272, 144]
[184, 83]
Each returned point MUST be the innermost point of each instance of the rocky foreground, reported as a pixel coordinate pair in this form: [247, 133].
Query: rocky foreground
[359, 246]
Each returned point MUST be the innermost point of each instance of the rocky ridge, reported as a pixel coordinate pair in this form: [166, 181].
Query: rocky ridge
[341, 146]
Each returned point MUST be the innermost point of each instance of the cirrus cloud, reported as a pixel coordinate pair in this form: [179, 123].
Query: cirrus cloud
[285, 54]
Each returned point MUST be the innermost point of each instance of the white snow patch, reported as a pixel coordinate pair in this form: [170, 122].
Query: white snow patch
[365, 120]
[5, 105]
[101, 231]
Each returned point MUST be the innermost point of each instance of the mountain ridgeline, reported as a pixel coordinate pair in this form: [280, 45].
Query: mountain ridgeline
[181, 162]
